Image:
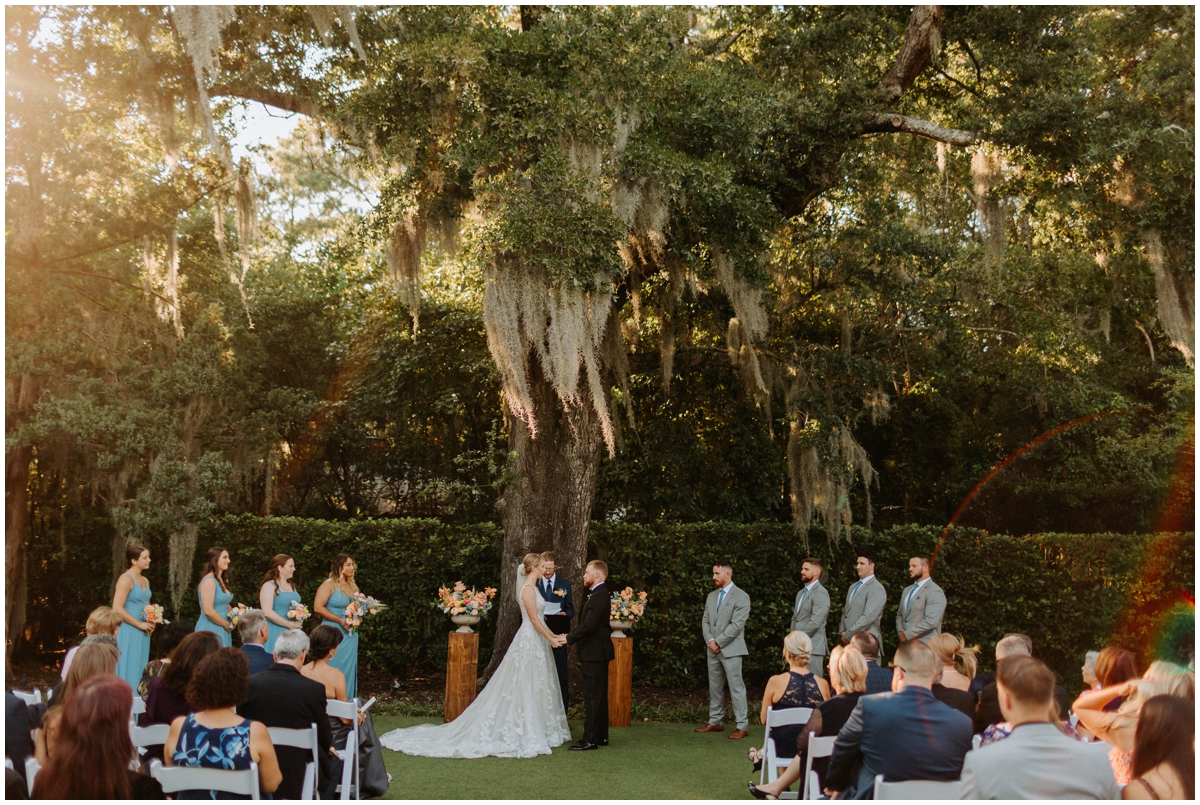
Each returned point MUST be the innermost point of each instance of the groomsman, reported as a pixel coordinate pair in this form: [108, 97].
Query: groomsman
[560, 608]
[725, 614]
[811, 611]
[864, 602]
[922, 604]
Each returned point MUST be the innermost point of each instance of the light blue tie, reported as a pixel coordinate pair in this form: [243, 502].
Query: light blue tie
[803, 595]
[908, 600]
[854, 592]
[720, 599]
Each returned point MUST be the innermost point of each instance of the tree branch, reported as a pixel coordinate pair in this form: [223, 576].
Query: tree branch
[889, 123]
[915, 54]
[286, 101]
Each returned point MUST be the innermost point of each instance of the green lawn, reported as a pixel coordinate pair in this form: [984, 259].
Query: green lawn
[645, 761]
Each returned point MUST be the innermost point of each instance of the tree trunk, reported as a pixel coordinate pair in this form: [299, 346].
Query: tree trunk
[16, 501]
[548, 504]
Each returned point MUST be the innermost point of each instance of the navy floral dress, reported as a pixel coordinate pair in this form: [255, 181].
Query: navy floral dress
[227, 748]
[802, 691]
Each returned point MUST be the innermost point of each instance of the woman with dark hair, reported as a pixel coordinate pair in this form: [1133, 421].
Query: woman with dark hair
[92, 660]
[215, 736]
[92, 750]
[1164, 750]
[130, 600]
[333, 596]
[277, 596]
[169, 639]
[1114, 666]
[215, 596]
[166, 698]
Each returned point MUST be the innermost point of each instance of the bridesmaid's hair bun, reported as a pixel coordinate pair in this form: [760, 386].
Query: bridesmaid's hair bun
[323, 640]
[132, 554]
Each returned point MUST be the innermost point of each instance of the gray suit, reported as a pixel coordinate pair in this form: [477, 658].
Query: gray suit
[727, 627]
[1038, 762]
[921, 618]
[864, 611]
[809, 614]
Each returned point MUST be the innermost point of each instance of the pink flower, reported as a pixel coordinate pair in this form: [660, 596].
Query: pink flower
[459, 586]
[642, 595]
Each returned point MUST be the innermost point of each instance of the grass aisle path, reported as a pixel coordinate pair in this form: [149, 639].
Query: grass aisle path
[645, 761]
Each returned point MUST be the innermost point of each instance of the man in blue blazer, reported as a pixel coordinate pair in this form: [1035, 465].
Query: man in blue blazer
[879, 679]
[253, 628]
[560, 608]
[905, 735]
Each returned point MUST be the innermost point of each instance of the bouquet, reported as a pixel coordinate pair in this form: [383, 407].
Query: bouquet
[624, 608]
[360, 606]
[235, 614]
[461, 601]
[153, 613]
[298, 612]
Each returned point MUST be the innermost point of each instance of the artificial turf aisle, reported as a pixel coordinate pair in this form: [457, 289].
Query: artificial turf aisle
[645, 761]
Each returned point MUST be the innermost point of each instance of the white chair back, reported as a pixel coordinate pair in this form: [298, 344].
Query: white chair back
[301, 739]
[139, 707]
[31, 697]
[153, 735]
[8, 763]
[812, 786]
[789, 716]
[32, 767]
[817, 747]
[976, 741]
[348, 753]
[308, 789]
[917, 789]
[185, 778]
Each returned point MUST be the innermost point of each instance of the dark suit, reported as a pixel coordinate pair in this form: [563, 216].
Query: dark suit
[987, 712]
[961, 700]
[19, 722]
[281, 697]
[879, 679]
[257, 656]
[908, 735]
[594, 639]
[559, 623]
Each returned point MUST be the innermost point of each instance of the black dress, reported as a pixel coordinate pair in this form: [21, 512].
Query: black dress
[802, 691]
[961, 700]
[835, 712]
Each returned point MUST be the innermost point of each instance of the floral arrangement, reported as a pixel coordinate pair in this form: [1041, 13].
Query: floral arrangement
[359, 607]
[153, 613]
[624, 608]
[298, 612]
[235, 614]
[461, 601]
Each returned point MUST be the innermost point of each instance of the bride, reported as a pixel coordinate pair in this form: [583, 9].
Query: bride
[520, 711]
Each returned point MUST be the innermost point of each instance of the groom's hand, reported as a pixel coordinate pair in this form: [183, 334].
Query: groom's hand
[713, 647]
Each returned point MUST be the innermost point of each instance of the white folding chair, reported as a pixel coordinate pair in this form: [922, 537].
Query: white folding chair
[185, 778]
[812, 786]
[348, 753]
[32, 767]
[976, 741]
[153, 735]
[33, 697]
[817, 747]
[301, 739]
[918, 789]
[775, 719]
[8, 763]
[139, 707]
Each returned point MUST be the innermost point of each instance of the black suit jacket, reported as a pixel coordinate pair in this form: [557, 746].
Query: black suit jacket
[592, 634]
[988, 712]
[879, 679]
[18, 728]
[281, 697]
[257, 656]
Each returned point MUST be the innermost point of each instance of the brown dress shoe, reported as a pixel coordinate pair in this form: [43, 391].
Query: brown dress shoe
[737, 735]
[711, 728]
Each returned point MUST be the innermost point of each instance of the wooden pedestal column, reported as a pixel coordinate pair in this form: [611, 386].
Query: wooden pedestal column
[620, 683]
[462, 667]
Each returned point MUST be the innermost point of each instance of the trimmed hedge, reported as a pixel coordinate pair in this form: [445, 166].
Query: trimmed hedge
[1068, 592]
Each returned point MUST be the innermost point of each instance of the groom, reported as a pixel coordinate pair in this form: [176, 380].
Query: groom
[595, 652]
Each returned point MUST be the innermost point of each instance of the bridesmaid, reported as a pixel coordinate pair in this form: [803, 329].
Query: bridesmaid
[333, 596]
[129, 601]
[215, 596]
[276, 597]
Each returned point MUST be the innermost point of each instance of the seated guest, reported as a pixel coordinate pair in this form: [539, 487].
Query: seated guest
[101, 621]
[323, 647]
[92, 749]
[14, 785]
[959, 662]
[1118, 728]
[215, 736]
[166, 699]
[1089, 671]
[987, 712]
[960, 700]
[1114, 665]
[168, 638]
[879, 679]
[1036, 760]
[19, 723]
[1164, 751]
[282, 697]
[90, 640]
[848, 674]
[905, 735]
[253, 629]
[797, 687]
[92, 660]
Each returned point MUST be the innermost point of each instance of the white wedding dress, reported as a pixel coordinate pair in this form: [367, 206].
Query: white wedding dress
[518, 714]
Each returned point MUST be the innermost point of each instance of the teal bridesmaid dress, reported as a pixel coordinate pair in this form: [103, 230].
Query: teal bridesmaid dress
[283, 602]
[346, 659]
[221, 602]
[132, 642]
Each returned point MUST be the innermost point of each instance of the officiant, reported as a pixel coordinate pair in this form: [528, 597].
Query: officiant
[560, 608]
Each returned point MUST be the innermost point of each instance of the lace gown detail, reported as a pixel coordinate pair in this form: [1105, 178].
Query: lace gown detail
[518, 714]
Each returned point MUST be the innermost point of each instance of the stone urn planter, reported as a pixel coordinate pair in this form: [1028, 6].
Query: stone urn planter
[619, 627]
[465, 622]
